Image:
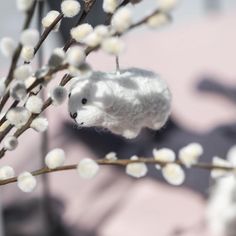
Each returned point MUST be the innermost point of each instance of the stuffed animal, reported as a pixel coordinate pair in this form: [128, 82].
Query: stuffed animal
[123, 102]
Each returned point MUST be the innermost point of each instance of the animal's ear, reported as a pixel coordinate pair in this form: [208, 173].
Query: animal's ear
[78, 86]
[103, 94]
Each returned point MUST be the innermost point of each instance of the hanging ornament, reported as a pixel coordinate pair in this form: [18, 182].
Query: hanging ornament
[123, 102]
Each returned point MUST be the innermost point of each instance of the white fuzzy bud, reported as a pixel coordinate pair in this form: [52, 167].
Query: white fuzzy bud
[173, 174]
[24, 5]
[23, 72]
[70, 8]
[80, 32]
[122, 20]
[111, 156]
[113, 45]
[84, 70]
[10, 143]
[136, 170]
[87, 168]
[26, 182]
[109, 6]
[6, 172]
[58, 95]
[27, 53]
[56, 58]
[50, 18]
[157, 20]
[55, 158]
[4, 126]
[29, 81]
[102, 31]
[167, 5]
[2, 87]
[218, 172]
[39, 124]
[190, 154]
[18, 116]
[75, 56]
[34, 104]
[42, 72]
[29, 37]
[92, 40]
[18, 90]
[7, 46]
[163, 155]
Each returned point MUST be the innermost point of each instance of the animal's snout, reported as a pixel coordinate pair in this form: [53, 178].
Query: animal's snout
[73, 115]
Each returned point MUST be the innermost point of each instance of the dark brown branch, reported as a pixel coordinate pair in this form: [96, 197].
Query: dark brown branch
[47, 32]
[19, 47]
[16, 55]
[88, 4]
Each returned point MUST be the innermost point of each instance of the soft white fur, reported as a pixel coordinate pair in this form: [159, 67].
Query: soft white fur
[122, 102]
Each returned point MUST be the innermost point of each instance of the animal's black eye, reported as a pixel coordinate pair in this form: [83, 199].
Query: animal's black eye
[69, 95]
[84, 101]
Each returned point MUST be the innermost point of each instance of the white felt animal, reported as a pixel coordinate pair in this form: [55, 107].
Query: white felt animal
[122, 102]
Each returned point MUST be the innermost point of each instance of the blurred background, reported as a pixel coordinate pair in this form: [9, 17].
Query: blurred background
[196, 54]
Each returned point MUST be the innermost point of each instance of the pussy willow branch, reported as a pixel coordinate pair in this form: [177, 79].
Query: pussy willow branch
[17, 53]
[135, 25]
[65, 78]
[46, 32]
[37, 47]
[88, 5]
[120, 162]
[32, 86]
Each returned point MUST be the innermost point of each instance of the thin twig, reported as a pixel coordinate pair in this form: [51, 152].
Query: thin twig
[19, 48]
[88, 4]
[120, 162]
[47, 32]
[31, 87]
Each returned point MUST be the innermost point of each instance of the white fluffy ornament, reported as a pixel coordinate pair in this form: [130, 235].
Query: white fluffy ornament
[122, 102]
